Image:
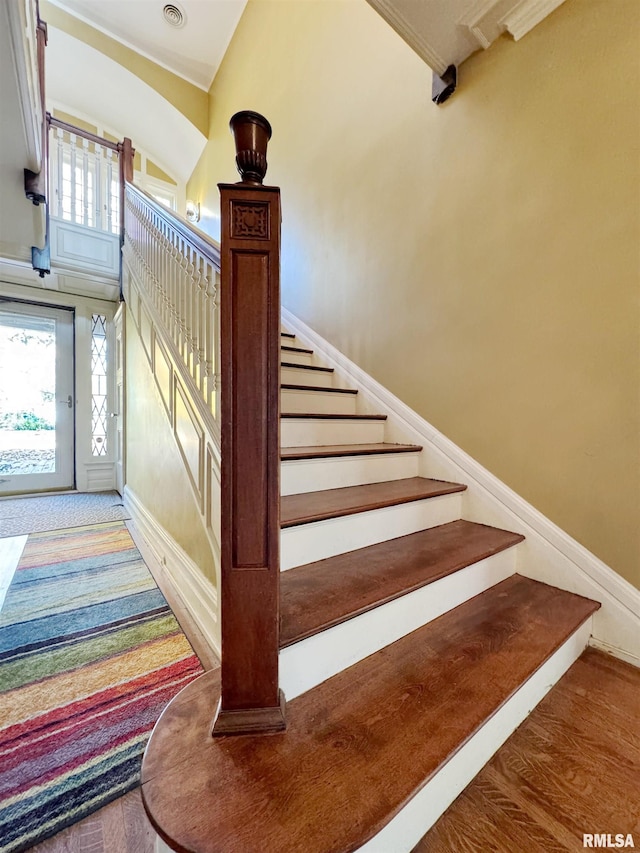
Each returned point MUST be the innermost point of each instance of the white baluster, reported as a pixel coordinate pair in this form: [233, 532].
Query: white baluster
[97, 186]
[107, 194]
[85, 182]
[72, 165]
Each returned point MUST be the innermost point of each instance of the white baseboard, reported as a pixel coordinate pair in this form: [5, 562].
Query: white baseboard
[548, 554]
[634, 660]
[196, 592]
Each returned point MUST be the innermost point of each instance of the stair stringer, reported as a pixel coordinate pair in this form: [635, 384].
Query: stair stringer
[197, 438]
[548, 553]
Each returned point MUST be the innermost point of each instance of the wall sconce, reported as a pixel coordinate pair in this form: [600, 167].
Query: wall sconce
[193, 211]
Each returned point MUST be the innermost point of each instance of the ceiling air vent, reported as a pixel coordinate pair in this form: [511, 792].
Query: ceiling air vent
[174, 15]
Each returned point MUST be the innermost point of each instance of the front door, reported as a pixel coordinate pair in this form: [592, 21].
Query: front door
[37, 398]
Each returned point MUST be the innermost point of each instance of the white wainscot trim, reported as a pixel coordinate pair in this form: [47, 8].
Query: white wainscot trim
[78, 247]
[197, 593]
[96, 476]
[548, 554]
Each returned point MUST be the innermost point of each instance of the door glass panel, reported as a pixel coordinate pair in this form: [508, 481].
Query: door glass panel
[27, 394]
[36, 398]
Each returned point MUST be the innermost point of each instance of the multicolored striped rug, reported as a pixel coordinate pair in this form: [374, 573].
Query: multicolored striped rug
[90, 654]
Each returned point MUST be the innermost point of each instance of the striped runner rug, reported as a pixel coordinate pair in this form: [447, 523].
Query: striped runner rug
[90, 654]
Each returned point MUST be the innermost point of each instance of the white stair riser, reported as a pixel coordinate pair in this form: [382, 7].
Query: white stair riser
[296, 432]
[307, 543]
[296, 357]
[300, 376]
[317, 402]
[408, 826]
[309, 662]
[311, 475]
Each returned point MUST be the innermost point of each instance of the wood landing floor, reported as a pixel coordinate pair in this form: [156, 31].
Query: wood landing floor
[572, 767]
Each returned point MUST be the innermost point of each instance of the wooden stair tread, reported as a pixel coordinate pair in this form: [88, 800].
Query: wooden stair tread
[327, 417]
[292, 364]
[325, 593]
[288, 348]
[334, 503]
[287, 335]
[327, 450]
[361, 744]
[288, 386]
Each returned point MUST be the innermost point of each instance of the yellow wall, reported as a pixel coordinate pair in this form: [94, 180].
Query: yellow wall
[155, 470]
[479, 259]
[190, 100]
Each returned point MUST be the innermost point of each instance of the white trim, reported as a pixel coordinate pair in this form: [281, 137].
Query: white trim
[549, 554]
[526, 15]
[23, 39]
[196, 592]
[413, 37]
[408, 826]
[634, 660]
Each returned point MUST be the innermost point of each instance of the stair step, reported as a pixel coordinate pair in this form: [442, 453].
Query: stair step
[327, 416]
[330, 451]
[298, 355]
[335, 503]
[363, 749]
[572, 764]
[289, 386]
[315, 367]
[319, 595]
[410, 597]
[309, 472]
[290, 348]
[287, 335]
[314, 429]
[305, 375]
[317, 400]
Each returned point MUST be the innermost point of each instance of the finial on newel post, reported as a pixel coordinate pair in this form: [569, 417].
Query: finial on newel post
[251, 132]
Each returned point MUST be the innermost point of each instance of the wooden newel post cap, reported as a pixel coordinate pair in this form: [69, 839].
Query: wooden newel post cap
[251, 132]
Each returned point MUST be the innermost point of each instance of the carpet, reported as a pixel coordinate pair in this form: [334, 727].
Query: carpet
[90, 654]
[52, 512]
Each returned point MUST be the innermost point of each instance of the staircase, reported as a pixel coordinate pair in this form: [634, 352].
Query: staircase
[410, 650]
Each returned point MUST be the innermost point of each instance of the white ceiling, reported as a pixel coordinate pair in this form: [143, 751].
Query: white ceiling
[193, 51]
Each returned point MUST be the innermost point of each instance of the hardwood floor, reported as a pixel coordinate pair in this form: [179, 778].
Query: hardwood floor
[572, 767]
[120, 827]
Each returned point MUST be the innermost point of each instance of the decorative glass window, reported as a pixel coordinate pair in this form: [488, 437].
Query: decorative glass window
[99, 385]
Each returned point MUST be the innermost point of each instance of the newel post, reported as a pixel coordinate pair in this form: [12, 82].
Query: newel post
[126, 153]
[251, 700]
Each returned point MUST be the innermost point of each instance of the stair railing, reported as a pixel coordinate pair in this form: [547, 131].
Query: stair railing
[177, 269]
